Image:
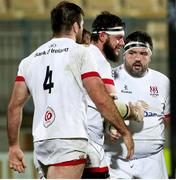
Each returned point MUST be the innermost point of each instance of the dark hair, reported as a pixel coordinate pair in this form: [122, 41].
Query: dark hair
[85, 31]
[64, 15]
[141, 37]
[105, 20]
[86, 36]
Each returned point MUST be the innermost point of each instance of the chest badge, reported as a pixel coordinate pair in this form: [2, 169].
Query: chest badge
[154, 91]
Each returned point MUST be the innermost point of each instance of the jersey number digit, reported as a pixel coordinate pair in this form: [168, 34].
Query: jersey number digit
[48, 84]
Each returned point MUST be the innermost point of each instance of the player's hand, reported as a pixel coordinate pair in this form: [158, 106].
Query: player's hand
[128, 140]
[112, 132]
[137, 110]
[16, 159]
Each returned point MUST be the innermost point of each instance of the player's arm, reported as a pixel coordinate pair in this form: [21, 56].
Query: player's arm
[105, 104]
[167, 119]
[133, 110]
[18, 98]
[166, 108]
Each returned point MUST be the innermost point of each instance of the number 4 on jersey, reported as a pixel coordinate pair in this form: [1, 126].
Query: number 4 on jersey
[48, 84]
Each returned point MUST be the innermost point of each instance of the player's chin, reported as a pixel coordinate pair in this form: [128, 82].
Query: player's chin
[137, 73]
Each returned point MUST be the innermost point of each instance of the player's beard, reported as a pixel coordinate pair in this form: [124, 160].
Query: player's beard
[136, 72]
[110, 52]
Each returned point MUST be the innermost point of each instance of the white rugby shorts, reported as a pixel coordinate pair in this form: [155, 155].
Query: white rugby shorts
[96, 158]
[150, 167]
[61, 152]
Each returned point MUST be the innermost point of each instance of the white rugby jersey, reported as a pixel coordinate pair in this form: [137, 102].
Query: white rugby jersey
[95, 121]
[53, 73]
[153, 88]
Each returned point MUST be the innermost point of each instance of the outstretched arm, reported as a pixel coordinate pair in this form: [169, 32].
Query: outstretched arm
[18, 98]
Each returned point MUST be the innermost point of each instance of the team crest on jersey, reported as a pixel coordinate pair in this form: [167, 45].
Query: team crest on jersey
[154, 91]
[49, 117]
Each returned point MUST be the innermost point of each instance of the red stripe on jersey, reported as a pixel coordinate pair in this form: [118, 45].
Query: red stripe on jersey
[19, 78]
[70, 163]
[108, 81]
[96, 169]
[90, 74]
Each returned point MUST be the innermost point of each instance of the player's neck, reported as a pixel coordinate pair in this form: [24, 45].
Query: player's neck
[65, 35]
[99, 46]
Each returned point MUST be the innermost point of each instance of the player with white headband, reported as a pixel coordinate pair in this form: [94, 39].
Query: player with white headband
[107, 40]
[134, 80]
[119, 30]
[137, 44]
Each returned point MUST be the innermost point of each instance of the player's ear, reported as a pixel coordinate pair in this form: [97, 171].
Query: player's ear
[76, 27]
[103, 36]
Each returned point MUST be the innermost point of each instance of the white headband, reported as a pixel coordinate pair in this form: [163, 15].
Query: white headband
[111, 31]
[137, 44]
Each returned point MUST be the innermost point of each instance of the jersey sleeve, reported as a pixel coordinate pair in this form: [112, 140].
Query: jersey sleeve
[167, 100]
[106, 73]
[89, 66]
[20, 74]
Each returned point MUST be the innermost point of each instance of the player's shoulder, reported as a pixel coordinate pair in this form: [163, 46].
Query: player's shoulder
[29, 59]
[117, 70]
[82, 50]
[79, 48]
[96, 51]
[82, 47]
[26, 60]
[158, 75]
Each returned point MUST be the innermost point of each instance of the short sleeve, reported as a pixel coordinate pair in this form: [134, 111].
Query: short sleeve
[105, 72]
[20, 73]
[89, 66]
[167, 100]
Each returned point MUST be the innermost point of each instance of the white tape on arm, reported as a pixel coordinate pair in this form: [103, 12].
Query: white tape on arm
[121, 106]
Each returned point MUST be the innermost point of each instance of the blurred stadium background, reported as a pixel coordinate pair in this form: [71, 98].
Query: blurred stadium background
[25, 24]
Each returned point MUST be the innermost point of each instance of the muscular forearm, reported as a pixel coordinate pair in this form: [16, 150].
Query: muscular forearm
[13, 125]
[18, 98]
